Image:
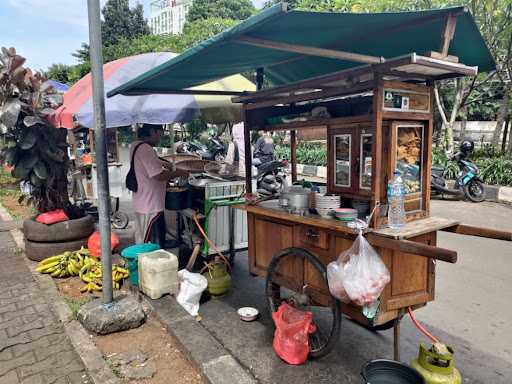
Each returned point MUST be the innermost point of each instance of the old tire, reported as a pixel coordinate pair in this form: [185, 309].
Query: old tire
[64, 231]
[38, 251]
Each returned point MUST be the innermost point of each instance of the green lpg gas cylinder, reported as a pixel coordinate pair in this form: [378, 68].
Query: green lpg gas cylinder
[437, 365]
[219, 280]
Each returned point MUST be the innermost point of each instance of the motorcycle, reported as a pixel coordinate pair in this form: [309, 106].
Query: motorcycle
[196, 148]
[467, 184]
[271, 177]
[217, 149]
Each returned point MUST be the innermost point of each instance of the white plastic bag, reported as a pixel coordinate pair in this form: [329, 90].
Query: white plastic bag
[192, 286]
[359, 275]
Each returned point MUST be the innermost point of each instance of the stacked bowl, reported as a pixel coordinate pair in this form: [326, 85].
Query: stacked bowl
[325, 204]
[345, 214]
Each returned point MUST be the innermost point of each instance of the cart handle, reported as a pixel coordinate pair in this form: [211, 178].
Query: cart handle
[490, 233]
[413, 247]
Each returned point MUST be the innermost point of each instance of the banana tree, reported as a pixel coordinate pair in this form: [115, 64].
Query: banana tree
[35, 150]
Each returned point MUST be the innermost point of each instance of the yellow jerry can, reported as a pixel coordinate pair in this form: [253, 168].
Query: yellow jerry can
[437, 365]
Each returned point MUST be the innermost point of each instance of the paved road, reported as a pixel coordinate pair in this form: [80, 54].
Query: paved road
[33, 346]
[471, 313]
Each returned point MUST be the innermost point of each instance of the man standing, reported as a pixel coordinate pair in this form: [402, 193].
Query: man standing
[152, 175]
[263, 149]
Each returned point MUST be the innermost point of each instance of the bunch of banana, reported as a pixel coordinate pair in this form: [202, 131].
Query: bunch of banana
[91, 274]
[64, 265]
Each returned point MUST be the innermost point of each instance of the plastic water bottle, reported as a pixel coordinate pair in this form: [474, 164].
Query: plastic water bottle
[396, 196]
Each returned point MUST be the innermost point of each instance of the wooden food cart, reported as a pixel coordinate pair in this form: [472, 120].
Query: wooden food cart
[381, 119]
[375, 99]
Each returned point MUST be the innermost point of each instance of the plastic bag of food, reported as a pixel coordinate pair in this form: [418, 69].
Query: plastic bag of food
[52, 217]
[359, 275]
[192, 286]
[291, 341]
[94, 243]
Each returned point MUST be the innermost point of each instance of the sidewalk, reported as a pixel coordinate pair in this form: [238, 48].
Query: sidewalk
[33, 345]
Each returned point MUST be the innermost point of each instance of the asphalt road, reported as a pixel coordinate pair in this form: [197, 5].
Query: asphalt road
[471, 313]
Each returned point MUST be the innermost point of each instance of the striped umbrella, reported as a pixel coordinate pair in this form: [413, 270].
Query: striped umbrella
[122, 110]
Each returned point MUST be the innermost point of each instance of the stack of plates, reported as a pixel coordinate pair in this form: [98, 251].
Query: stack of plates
[345, 214]
[325, 204]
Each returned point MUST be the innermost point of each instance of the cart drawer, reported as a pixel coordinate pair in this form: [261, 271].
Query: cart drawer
[311, 237]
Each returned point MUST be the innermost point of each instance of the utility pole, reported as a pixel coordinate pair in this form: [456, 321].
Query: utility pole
[98, 98]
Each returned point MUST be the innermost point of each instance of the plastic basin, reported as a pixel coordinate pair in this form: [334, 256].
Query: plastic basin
[131, 254]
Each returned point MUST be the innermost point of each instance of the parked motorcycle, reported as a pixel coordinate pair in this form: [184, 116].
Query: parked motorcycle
[217, 148]
[467, 184]
[271, 177]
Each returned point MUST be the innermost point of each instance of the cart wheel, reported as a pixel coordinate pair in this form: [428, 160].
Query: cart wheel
[327, 320]
[120, 220]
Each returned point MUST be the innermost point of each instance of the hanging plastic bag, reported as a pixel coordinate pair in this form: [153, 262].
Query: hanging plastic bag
[359, 275]
[52, 217]
[291, 341]
[94, 243]
[192, 286]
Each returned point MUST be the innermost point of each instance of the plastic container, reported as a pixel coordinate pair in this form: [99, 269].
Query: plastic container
[158, 273]
[390, 372]
[396, 197]
[131, 255]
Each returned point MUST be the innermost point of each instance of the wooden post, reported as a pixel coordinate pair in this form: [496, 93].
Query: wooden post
[293, 153]
[427, 147]
[248, 154]
[448, 33]
[377, 146]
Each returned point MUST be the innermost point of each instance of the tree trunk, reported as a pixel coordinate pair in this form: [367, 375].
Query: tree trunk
[505, 134]
[502, 115]
[463, 123]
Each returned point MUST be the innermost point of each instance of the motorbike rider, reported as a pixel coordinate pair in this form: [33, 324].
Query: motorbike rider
[465, 149]
[263, 149]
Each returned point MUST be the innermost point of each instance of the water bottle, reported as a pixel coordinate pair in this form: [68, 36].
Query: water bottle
[396, 196]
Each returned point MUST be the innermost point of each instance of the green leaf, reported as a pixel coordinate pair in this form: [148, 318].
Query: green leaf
[28, 160]
[29, 140]
[41, 171]
[21, 172]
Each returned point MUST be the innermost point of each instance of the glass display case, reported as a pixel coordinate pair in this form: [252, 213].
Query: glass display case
[409, 141]
[343, 158]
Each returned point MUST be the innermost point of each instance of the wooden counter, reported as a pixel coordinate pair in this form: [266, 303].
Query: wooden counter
[272, 230]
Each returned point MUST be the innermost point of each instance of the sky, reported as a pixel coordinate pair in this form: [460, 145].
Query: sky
[48, 31]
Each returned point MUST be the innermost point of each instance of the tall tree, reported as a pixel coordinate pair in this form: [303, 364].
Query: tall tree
[119, 21]
[58, 72]
[224, 9]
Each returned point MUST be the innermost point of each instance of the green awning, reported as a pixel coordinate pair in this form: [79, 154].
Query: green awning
[385, 35]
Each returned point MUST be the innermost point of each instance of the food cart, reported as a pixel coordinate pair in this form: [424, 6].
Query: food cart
[378, 115]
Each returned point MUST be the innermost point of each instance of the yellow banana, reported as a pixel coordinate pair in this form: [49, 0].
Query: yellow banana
[84, 288]
[50, 259]
[56, 273]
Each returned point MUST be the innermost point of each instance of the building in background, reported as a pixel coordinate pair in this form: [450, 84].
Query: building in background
[168, 16]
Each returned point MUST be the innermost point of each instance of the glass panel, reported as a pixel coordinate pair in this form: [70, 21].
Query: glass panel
[408, 157]
[342, 145]
[365, 179]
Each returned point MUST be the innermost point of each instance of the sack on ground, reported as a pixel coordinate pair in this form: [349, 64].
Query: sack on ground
[291, 340]
[192, 286]
[359, 275]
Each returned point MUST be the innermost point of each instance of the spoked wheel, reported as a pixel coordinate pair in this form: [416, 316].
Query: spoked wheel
[475, 191]
[327, 319]
[120, 220]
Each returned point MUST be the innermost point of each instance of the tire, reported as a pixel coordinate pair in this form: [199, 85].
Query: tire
[475, 191]
[318, 348]
[120, 220]
[64, 231]
[219, 156]
[38, 251]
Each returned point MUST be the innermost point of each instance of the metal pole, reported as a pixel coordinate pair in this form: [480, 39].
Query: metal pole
[98, 98]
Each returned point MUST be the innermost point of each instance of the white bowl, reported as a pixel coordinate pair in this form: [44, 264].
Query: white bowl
[248, 313]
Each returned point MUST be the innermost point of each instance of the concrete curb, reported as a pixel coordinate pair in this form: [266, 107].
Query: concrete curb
[97, 368]
[210, 357]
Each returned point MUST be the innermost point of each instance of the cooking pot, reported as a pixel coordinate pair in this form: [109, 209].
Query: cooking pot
[177, 198]
[295, 198]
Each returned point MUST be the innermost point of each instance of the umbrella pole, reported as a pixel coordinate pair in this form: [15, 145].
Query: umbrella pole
[98, 97]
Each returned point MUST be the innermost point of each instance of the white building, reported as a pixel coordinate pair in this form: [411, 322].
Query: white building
[168, 16]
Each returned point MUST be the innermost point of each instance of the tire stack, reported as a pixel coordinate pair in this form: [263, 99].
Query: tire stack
[42, 241]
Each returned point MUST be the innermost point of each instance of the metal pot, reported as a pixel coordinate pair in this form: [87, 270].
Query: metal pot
[295, 199]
